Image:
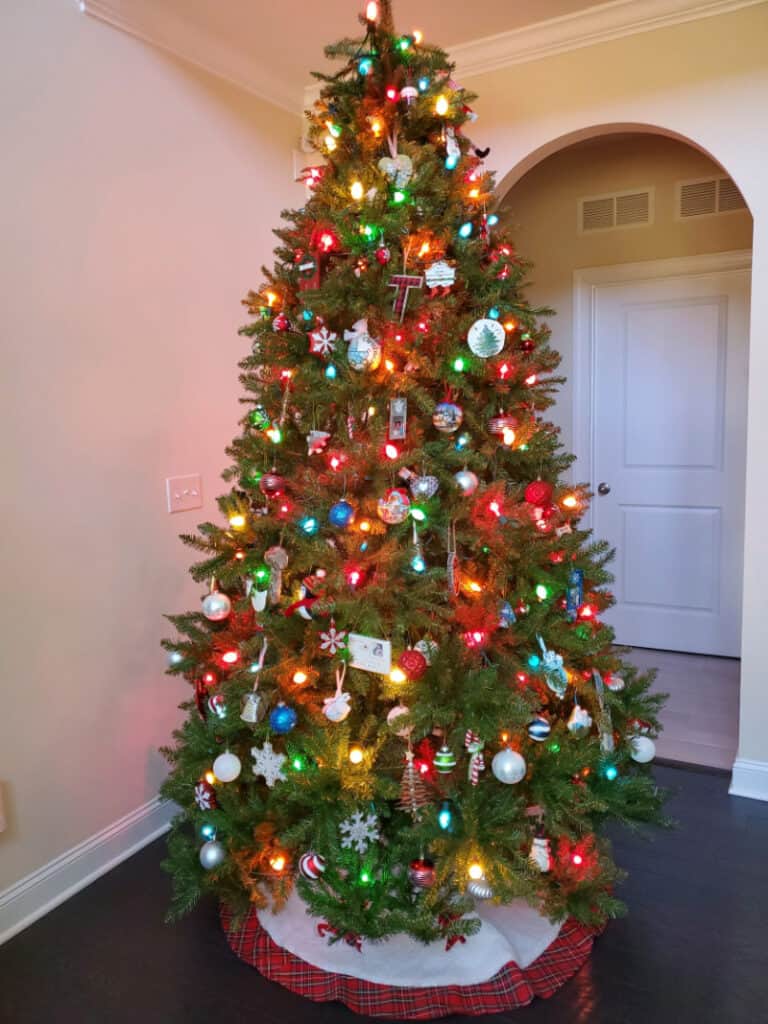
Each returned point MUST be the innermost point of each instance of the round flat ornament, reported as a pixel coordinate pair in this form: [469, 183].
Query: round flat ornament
[486, 338]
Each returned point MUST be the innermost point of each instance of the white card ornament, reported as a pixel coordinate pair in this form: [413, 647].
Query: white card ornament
[440, 277]
[398, 418]
[336, 708]
[486, 338]
[370, 654]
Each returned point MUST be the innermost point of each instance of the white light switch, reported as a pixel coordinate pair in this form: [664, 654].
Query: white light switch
[184, 493]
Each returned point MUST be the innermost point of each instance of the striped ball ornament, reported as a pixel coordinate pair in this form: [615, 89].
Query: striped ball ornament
[539, 728]
[311, 865]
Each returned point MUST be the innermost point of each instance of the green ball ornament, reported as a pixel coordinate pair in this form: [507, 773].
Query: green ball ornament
[445, 760]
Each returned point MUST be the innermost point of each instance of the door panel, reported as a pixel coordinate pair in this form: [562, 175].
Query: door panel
[669, 437]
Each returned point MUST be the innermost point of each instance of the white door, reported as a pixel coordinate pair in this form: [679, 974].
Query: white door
[669, 394]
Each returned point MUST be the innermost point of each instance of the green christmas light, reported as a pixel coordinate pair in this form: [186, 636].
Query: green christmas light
[298, 763]
[261, 576]
[459, 364]
[542, 591]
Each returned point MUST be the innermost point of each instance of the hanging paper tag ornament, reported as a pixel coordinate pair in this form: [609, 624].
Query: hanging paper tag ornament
[486, 338]
[440, 277]
[370, 653]
[398, 418]
[552, 667]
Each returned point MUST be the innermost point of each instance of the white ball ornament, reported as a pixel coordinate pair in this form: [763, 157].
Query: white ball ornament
[227, 767]
[643, 749]
[216, 606]
[509, 767]
[397, 712]
[212, 855]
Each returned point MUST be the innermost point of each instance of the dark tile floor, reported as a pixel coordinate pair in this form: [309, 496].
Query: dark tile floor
[693, 949]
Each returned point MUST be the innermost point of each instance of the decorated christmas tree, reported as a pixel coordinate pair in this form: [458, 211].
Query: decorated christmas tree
[405, 701]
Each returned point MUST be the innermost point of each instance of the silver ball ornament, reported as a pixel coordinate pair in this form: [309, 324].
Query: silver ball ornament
[467, 481]
[480, 889]
[212, 855]
[509, 767]
[216, 606]
[643, 749]
[227, 767]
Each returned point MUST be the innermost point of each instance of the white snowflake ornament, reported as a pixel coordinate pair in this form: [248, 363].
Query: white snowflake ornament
[359, 831]
[321, 341]
[269, 763]
[333, 640]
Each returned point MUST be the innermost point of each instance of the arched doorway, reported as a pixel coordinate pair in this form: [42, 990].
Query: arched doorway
[642, 243]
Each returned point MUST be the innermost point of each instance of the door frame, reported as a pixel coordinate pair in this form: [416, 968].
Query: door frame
[585, 284]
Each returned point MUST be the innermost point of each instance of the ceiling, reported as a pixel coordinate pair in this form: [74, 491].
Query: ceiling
[269, 47]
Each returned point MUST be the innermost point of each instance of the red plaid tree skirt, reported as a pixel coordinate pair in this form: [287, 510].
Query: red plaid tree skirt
[509, 988]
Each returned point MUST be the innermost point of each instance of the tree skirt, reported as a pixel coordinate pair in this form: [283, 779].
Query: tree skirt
[516, 955]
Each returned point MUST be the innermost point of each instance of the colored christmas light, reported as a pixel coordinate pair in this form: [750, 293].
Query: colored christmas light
[475, 871]
[397, 675]
[542, 591]
[466, 229]
[330, 371]
[309, 525]
[441, 105]
[459, 364]
[230, 657]
[365, 66]
[300, 677]
[418, 564]
[570, 501]
[451, 161]
[534, 661]
[445, 816]
[392, 93]
[372, 11]
[391, 451]
[277, 863]
[423, 84]
[356, 755]
[356, 190]
[237, 521]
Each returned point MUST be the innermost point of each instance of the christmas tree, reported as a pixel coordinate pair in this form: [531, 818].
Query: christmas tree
[404, 698]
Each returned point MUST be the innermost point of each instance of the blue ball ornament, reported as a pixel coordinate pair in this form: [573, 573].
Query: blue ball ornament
[539, 729]
[341, 514]
[282, 719]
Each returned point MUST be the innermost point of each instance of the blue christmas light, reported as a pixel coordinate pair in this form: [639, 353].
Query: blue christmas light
[330, 371]
[534, 661]
[493, 313]
[418, 564]
[307, 314]
[309, 525]
[445, 816]
[466, 229]
[451, 161]
[461, 442]
[365, 65]
[423, 84]
[208, 832]
[610, 772]
[493, 220]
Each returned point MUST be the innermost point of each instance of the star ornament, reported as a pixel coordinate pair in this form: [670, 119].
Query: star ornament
[321, 341]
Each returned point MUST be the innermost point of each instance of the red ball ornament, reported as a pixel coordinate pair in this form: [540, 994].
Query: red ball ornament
[271, 485]
[383, 255]
[281, 322]
[421, 873]
[413, 663]
[539, 492]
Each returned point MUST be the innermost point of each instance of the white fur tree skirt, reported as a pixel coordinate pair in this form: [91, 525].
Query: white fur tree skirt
[515, 932]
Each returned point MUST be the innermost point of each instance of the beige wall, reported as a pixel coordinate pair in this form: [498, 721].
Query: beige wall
[708, 82]
[541, 212]
[136, 201]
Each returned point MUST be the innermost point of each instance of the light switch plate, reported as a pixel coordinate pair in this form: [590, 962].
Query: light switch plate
[184, 493]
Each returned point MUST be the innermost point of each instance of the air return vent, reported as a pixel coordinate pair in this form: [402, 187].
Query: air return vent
[617, 210]
[708, 196]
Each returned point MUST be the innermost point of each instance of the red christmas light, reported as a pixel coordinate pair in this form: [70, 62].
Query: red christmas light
[392, 93]
[230, 657]
[476, 638]
[391, 451]
[504, 371]
[209, 678]
[354, 575]
[531, 379]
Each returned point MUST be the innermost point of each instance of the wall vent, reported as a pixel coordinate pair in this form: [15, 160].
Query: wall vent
[617, 210]
[706, 197]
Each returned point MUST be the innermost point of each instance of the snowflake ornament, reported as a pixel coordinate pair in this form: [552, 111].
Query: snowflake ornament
[321, 341]
[205, 796]
[269, 763]
[359, 831]
[333, 640]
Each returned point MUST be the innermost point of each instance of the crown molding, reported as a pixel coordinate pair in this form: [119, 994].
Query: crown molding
[149, 21]
[593, 25]
[161, 26]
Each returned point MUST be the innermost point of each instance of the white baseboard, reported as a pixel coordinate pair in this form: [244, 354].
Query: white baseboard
[53, 883]
[750, 779]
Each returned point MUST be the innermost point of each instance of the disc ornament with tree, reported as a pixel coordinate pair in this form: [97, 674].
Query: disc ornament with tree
[341, 576]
